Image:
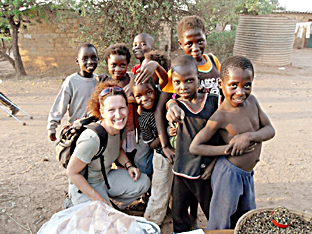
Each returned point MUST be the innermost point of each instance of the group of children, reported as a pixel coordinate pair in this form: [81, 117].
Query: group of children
[217, 126]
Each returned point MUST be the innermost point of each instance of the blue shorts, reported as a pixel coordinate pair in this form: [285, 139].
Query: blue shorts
[233, 194]
[143, 158]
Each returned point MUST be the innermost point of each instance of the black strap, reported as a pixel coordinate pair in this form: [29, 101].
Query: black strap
[101, 132]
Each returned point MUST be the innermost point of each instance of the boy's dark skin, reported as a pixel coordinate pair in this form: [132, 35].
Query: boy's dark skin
[240, 121]
[193, 43]
[142, 44]
[87, 60]
[185, 83]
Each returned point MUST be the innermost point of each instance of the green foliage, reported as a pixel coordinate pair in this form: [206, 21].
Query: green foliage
[119, 21]
[4, 26]
[225, 12]
[221, 44]
[13, 13]
[258, 7]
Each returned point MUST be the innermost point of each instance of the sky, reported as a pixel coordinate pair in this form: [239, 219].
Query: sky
[297, 5]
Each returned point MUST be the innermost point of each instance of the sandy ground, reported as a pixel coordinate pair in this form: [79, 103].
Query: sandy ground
[33, 184]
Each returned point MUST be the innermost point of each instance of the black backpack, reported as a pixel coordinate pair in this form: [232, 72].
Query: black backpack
[68, 139]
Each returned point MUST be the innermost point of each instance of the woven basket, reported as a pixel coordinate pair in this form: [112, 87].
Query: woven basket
[242, 220]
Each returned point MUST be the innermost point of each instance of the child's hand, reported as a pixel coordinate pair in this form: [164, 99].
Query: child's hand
[102, 77]
[146, 71]
[172, 129]
[175, 114]
[169, 153]
[239, 144]
[52, 137]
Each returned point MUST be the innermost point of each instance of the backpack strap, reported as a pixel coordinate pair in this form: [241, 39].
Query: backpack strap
[102, 134]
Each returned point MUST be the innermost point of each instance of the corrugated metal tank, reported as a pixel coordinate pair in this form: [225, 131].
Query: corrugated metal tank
[265, 39]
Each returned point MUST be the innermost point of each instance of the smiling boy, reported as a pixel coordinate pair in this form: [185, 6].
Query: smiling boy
[142, 44]
[243, 126]
[75, 91]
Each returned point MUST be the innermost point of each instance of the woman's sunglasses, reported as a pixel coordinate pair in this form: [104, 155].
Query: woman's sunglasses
[108, 90]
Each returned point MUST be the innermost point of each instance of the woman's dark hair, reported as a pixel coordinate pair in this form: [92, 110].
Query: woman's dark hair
[94, 102]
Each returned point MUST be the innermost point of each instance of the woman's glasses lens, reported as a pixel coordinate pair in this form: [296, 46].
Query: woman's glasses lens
[106, 91]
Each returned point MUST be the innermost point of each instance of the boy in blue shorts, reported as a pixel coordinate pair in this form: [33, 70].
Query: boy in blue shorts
[243, 126]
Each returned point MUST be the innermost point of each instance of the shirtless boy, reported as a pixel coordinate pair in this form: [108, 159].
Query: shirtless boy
[243, 126]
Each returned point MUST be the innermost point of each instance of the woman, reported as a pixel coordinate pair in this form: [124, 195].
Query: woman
[109, 104]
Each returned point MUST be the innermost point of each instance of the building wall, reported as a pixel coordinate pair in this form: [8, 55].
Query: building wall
[45, 46]
[165, 39]
[300, 17]
[49, 47]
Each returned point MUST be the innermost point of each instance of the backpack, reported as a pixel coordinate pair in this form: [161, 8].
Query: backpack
[68, 139]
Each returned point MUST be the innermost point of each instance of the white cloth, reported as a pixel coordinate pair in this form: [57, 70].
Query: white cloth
[161, 189]
[129, 143]
[300, 28]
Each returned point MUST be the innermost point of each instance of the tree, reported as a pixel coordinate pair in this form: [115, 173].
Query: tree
[14, 13]
[226, 12]
[115, 21]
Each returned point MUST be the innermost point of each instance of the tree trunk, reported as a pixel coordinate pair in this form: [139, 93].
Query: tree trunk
[19, 67]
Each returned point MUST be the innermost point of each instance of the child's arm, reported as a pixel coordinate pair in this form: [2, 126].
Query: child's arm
[174, 112]
[148, 70]
[58, 111]
[198, 145]
[154, 144]
[160, 117]
[239, 143]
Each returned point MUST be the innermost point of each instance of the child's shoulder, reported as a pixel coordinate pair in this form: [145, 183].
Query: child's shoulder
[251, 103]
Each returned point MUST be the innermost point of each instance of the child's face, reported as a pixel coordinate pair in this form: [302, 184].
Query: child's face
[236, 87]
[141, 45]
[117, 66]
[144, 95]
[193, 43]
[185, 81]
[87, 60]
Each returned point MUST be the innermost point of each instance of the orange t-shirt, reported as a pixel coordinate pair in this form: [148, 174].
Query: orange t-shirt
[206, 69]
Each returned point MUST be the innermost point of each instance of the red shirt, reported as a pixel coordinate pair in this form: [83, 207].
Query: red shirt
[135, 69]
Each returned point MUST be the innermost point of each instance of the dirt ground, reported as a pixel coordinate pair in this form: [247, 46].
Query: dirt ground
[33, 184]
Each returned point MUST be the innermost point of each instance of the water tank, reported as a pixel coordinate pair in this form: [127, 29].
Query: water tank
[265, 39]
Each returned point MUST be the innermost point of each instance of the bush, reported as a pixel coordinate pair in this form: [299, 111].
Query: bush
[221, 44]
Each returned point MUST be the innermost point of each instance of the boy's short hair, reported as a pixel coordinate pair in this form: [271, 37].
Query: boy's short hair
[190, 22]
[235, 62]
[150, 80]
[119, 49]
[184, 60]
[159, 57]
[86, 45]
[148, 37]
